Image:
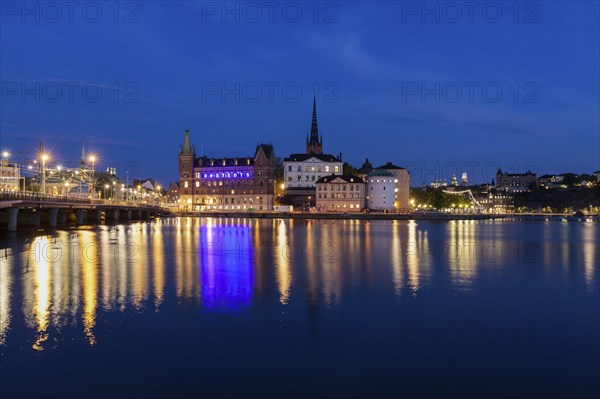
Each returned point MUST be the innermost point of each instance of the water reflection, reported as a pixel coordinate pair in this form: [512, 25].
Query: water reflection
[282, 263]
[75, 279]
[89, 272]
[5, 296]
[226, 256]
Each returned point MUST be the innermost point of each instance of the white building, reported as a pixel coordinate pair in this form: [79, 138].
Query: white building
[402, 186]
[303, 170]
[10, 176]
[380, 190]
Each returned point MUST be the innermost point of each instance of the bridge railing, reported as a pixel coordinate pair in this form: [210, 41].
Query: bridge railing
[31, 196]
[40, 197]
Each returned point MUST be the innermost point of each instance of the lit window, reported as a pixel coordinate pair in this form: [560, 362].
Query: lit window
[337, 169]
[185, 184]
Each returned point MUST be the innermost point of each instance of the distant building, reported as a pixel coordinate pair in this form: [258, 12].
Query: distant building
[55, 185]
[464, 180]
[597, 175]
[365, 169]
[438, 184]
[344, 193]
[454, 181]
[226, 184]
[551, 181]
[515, 182]
[380, 190]
[402, 185]
[173, 193]
[303, 170]
[492, 201]
[10, 176]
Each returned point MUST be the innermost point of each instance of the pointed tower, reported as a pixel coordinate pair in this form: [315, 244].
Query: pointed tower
[187, 155]
[314, 145]
[82, 160]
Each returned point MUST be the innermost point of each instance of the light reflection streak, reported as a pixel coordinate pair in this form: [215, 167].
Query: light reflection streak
[282, 264]
[89, 268]
[6, 265]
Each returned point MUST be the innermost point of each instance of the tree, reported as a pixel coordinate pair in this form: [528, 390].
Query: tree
[348, 169]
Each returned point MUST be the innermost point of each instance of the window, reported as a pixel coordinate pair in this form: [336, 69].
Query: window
[299, 168]
[197, 184]
[185, 184]
[327, 168]
[299, 177]
[289, 178]
[290, 168]
[337, 169]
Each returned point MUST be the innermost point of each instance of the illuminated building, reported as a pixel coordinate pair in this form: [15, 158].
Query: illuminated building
[10, 175]
[345, 193]
[226, 184]
[402, 185]
[380, 190]
[301, 171]
[515, 182]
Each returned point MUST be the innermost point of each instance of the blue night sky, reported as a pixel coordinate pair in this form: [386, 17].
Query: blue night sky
[367, 62]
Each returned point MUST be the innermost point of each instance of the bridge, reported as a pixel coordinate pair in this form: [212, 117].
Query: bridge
[36, 209]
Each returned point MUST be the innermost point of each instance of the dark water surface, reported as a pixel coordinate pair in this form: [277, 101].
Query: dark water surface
[290, 308]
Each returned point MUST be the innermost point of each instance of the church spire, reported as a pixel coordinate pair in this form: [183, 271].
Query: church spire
[314, 144]
[82, 160]
[314, 130]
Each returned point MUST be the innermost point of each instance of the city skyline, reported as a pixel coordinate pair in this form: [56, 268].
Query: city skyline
[385, 98]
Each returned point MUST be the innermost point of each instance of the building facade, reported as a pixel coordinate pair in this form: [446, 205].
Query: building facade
[226, 184]
[302, 171]
[380, 190]
[173, 193]
[515, 182]
[402, 186]
[340, 193]
[10, 176]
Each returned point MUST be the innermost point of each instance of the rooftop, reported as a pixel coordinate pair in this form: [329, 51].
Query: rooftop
[380, 172]
[346, 178]
[304, 157]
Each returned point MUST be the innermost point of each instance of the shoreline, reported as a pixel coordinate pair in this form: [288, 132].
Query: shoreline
[337, 216]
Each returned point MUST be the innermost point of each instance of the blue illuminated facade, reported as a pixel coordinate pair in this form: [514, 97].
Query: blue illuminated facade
[226, 184]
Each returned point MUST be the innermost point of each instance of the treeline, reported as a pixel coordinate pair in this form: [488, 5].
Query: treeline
[437, 199]
[559, 200]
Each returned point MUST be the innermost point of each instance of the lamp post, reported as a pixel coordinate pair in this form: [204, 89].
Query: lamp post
[44, 159]
[93, 161]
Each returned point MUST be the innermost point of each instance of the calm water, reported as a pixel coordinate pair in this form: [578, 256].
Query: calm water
[274, 308]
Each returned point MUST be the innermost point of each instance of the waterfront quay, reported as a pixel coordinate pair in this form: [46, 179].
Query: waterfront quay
[344, 216]
[36, 210]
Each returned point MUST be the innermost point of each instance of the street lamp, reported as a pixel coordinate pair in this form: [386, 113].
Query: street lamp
[93, 161]
[44, 159]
